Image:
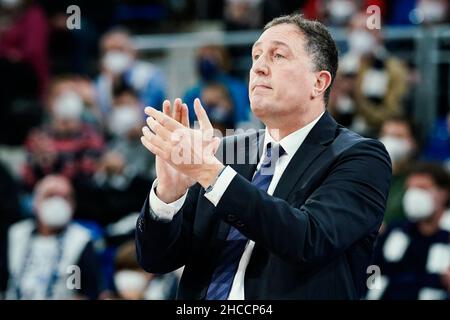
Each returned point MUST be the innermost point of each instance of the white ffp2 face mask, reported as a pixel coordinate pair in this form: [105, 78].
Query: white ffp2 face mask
[397, 148]
[361, 42]
[130, 281]
[418, 204]
[117, 62]
[55, 212]
[123, 119]
[69, 106]
[341, 10]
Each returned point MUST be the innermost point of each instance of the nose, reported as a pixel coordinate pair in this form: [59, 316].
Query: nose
[260, 66]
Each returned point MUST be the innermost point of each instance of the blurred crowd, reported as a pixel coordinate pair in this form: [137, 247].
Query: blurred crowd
[74, 175]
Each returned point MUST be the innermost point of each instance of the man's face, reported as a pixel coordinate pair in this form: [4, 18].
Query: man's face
[282, 76]
[54, 202]
[425, 182]
[421, 181]
[117, 42]
[399, 130]
[54, 187]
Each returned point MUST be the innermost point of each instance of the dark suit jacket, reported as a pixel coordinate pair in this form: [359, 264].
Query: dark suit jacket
[313, 238]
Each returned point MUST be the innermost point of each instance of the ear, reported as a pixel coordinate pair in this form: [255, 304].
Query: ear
[323, 81]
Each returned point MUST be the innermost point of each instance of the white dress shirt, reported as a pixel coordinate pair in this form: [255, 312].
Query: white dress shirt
[290, 144]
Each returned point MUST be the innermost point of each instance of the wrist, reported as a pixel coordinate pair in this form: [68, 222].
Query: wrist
[168, 194]
[210, 174]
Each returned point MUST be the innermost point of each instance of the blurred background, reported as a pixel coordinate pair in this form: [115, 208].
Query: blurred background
[74, 176]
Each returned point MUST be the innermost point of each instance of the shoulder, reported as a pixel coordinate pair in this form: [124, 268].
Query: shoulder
[78, 232]
[80, 238]
[359, 159]
[348, 142]
[21, 228]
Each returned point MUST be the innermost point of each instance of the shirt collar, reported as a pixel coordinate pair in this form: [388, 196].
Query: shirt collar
[294, 140]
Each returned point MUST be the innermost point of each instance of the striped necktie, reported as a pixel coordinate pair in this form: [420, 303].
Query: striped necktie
[228, 261]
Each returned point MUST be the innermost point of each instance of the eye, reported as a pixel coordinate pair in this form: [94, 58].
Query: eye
[278, 56]
[255, 57]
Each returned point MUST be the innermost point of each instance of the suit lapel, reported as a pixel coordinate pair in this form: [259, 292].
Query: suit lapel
[315, 143]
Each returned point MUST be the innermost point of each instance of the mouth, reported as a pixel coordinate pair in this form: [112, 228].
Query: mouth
[261, 86]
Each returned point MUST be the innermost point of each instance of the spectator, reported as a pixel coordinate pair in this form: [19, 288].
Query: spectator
[64, 144]
[41, 250]
[84, 87]
[342, 98]
[217, 103]
[124, 125]
[130, 280]
[243, 14]
[133, 283]
[119, 63]
[399, 136]
[124, 172]
[380, 83]
[113, 193]
[212, 67]
[414, 256]
[74, 90]
[339, 12]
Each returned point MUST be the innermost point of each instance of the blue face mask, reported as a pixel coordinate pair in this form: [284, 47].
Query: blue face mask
[219, 114]
[207, 69]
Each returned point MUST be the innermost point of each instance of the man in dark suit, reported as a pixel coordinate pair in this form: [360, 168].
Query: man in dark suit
[290, 212]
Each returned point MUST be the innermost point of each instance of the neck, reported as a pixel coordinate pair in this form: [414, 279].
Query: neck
[280, 129]
[44, 230]
[430, 226]
[399, 167]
